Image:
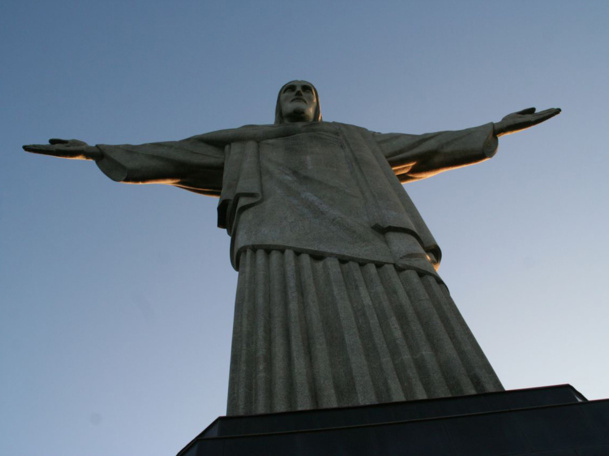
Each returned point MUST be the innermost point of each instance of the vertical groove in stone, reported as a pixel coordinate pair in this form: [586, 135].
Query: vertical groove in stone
[400, 352]
[261, 333]
[239, 391]
[363, 383]
[281, 364]
[343, 377]
[477, 366]
[492, 380]
[320, 355]
[428, 370]
[302, 388]
[444, 350]
[380, 366]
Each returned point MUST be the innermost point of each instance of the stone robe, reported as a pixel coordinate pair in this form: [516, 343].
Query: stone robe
[338, 301]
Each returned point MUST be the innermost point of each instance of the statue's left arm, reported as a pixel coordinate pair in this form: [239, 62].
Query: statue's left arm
[415, 157]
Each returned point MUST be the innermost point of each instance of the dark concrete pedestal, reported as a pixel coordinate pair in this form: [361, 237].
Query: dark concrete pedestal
[550, 421]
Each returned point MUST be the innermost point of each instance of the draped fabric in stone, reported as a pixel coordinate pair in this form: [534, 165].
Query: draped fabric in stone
[316, 332]
[339, 302]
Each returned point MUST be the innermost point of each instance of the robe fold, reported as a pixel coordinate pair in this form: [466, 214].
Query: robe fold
[338, 302]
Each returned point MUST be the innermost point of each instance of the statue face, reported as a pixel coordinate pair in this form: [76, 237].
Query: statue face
[298, 102]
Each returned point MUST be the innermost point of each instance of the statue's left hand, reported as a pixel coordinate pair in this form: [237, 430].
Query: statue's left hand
[522, 120]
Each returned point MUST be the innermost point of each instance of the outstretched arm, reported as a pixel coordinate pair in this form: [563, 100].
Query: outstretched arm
[415, 157]
[192, 163]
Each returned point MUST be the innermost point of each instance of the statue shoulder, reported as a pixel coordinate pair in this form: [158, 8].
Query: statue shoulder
[353, 128]
[231, 135]
[270, 131]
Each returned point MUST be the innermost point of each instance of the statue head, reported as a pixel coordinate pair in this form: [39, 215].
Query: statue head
[297, 102]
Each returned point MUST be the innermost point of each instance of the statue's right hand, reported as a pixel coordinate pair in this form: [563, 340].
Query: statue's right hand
[66, 148]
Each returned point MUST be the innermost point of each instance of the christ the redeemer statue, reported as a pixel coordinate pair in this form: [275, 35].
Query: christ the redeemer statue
[338, 300]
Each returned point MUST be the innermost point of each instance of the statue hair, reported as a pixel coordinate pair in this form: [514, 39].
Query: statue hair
[279, 115]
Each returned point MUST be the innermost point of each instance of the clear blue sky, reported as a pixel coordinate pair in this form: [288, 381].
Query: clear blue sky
[116, 301]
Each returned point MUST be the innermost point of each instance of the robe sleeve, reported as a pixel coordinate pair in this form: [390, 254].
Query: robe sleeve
[191, 164]
[414, 157]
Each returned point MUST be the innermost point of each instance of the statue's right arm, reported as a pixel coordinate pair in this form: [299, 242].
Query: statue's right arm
[191, 163]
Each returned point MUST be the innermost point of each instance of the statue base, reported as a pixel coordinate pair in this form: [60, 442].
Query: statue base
[548, 421]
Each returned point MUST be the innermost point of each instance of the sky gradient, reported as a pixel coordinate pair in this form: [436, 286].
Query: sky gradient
[116, 301]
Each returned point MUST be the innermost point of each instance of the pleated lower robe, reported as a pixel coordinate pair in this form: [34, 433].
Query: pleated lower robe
[317, 332]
